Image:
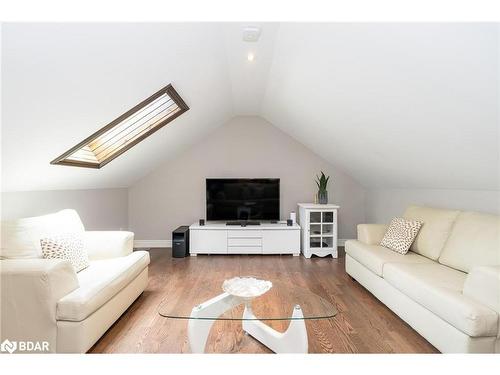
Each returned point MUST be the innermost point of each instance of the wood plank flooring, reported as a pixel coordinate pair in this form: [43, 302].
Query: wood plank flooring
[363, 324]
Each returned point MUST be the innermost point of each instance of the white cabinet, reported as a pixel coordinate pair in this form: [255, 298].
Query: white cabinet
[319, 229]
[280, 242]
[207, 241]
[267, 238]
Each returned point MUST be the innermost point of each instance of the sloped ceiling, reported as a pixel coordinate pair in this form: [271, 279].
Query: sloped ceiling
[63, 82]
[396, 105]
[393, 105]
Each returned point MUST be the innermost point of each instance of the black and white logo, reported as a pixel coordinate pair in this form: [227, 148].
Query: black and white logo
[8, 346]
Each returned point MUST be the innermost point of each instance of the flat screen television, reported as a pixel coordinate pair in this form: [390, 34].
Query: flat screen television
[243, 199]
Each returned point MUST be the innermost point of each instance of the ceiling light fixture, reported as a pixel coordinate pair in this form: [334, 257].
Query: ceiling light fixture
[251, 33]
[250, 56]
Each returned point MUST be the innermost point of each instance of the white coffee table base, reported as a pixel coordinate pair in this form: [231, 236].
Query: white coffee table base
[293, 340]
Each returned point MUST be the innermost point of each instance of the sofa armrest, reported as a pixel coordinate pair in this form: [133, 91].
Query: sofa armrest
[108, 244]
[371, 234]
[30, 290]
[483, 285]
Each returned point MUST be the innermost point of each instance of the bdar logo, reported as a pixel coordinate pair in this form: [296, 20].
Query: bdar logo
[8, 346]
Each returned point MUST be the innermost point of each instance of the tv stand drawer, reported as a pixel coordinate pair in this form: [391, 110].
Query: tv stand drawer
[255, 241]
[244, 249]
[249, 233]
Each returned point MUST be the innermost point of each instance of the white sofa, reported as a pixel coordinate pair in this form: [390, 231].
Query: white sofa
[45, 300]
[448, 285]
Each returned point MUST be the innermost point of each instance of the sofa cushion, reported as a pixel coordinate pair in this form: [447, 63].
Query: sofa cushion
[400, 234]
[474, 241]
[67, 246]
[100, 282]
[439, 289]
[434, 232]
[374, 257]
[21, 238]
[483, 285]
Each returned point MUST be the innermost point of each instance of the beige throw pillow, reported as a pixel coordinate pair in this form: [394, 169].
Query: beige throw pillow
[401, 234]
[67, 246]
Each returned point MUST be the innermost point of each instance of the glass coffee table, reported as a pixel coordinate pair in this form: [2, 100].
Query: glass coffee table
[282, 302]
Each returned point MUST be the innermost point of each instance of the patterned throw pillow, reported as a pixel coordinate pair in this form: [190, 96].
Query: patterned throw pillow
[68, 246]
[401, 234]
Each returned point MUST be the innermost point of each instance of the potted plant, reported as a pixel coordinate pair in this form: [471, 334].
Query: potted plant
[322, 183]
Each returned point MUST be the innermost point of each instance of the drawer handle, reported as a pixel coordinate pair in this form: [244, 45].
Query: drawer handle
[245, 238]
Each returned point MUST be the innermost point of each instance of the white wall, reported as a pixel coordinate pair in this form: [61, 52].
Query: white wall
[174, 194]
[100, 209]
[382, 205]
[245, 147]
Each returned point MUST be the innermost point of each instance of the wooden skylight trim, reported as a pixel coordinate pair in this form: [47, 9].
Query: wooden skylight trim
[126, 131]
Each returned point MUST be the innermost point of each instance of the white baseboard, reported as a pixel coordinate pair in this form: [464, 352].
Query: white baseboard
[141, 244]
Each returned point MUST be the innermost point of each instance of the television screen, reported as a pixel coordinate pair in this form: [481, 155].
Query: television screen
[243, 199]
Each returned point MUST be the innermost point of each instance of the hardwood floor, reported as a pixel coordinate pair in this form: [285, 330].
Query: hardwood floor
[363, 324]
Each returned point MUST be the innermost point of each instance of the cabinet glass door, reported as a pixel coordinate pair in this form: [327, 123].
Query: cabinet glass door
[327, 217]
[314, 242]
[321, 229]
[327, 229]
[327, 242]
[315, 217]
[315, 229]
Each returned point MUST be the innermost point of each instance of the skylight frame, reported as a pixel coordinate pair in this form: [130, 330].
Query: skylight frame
[169, 90]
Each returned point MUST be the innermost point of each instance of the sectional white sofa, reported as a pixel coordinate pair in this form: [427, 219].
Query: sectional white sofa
[44, 300]
[448, 285]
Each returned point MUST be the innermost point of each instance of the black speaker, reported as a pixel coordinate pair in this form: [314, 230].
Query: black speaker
[289, 222]
[180, 242]
[202, 222]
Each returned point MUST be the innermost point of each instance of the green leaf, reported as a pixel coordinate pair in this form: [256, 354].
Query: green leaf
[322, 181]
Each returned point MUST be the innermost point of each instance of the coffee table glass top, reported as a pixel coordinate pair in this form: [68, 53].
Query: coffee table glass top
[279, 303]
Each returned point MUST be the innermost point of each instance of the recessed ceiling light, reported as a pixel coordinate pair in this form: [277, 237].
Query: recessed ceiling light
[251, 34]
[250, 56]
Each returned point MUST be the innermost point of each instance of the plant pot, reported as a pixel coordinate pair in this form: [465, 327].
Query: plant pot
[323, 197]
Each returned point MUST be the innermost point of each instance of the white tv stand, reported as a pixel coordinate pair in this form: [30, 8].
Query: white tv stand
[267, 238]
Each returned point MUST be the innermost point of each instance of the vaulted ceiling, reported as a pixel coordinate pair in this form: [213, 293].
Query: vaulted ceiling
[393, 105]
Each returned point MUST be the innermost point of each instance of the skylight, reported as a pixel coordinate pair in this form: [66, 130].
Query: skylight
[126, 131]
